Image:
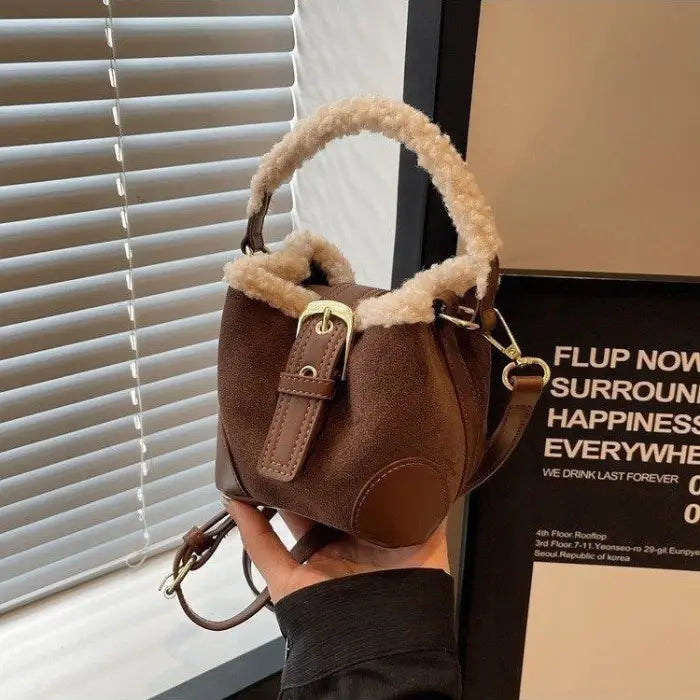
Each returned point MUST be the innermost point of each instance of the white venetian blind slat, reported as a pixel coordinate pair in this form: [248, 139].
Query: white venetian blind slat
[32, 336]
[56, 537]
[97, 437]
[60, 265]
[58, 417]
[10, 9]
[59, 81]
[86, 228]
[55, 369]
[167, 527]
[78, 477]
[66, 121]
[73, 519]
[27, 40]
[69, 509]
[68, 159]
[118, 211]
[58, 475]
[69, 195]
[33, 333]
[61, 387]
[81, 523]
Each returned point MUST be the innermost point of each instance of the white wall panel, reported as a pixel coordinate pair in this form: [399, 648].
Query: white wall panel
[348, 193]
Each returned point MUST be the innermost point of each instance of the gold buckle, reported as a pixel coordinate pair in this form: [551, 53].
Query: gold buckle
[513, 352]
[169, 592]
[328, 308]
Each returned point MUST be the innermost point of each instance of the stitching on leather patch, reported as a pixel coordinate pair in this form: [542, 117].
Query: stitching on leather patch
[305, 429]
[266, 468]
[293, 360]
[403, 464]
[310, 394]
[302, 431]
[303, 378]
[289, 467]
[276, 427]
[282, 405]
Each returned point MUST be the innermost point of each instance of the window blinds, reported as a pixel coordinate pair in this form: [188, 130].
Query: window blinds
[129, 131]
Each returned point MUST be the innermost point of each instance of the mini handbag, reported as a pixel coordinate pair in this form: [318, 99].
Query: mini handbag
[361, 409]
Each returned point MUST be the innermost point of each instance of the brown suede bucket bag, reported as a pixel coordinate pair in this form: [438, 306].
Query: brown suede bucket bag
[361, 409]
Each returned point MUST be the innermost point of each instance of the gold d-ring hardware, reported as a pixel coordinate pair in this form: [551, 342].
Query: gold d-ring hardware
[328, 308]
[524, 362]
[469, 325]
[513, 352]
[169, 591]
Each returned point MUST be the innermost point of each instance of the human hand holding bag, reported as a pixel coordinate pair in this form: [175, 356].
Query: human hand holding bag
[359, 409]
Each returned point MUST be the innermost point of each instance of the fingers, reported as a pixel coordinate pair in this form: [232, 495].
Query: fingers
[435, 552]
[440, 532]
[265, 548]
[297, 524]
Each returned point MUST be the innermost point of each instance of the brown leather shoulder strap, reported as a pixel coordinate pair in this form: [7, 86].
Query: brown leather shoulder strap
[201, 543]
[525, 395]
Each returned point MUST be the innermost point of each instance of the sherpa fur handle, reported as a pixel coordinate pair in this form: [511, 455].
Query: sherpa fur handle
[470, 214]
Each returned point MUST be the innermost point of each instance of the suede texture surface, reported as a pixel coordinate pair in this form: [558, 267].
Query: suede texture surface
[398, 403]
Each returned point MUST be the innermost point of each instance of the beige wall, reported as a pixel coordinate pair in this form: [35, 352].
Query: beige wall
[585, 133]
[611, 633]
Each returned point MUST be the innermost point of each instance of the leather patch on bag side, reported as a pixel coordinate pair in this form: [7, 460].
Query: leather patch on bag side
[402, 504]
[227, 480]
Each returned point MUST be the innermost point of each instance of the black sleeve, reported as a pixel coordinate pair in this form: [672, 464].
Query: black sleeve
[388, 634]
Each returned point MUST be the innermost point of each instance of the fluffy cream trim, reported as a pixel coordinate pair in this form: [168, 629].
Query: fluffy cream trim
[413, 301]
[472, 217]
[275, 279]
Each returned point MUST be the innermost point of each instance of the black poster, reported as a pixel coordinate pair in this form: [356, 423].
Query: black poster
[583, 552]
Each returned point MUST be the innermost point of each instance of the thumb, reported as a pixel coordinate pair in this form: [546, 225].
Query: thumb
[265, 548]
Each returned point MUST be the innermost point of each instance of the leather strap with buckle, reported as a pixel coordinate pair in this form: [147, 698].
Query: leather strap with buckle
[319, 354]
[201, 543]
